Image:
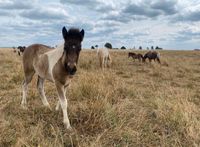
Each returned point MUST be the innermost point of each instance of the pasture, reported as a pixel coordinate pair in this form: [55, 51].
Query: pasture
[128, 104]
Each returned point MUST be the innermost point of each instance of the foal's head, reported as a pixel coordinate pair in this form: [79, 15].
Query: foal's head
[72, 47]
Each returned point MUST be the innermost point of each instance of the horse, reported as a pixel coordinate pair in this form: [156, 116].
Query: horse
[104, 57]
[152, 55]
[20, 49]
[135, 56]
[56, 65]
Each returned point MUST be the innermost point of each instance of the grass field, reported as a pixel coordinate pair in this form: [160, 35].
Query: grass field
[130, 104]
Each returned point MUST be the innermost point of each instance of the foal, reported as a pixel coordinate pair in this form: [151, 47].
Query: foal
[57, 65]
[152, 55]
[135, 56]
[104, 57]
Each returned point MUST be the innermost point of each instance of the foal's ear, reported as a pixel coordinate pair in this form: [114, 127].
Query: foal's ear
[64, 32]
[82, 32]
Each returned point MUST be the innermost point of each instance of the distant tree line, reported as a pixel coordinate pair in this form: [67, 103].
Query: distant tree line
[93, 47]
[109, 46]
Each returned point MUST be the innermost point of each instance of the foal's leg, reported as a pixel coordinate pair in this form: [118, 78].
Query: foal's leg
[63, 103]
[40, 87]
[58, 103]
[27, 80]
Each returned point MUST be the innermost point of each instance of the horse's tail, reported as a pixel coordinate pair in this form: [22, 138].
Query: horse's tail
[158, 57]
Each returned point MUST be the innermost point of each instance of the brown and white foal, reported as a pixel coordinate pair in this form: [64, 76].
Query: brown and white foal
[135, 56]
[57, 65]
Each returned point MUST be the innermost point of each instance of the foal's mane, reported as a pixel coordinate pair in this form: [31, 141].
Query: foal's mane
[74, 33]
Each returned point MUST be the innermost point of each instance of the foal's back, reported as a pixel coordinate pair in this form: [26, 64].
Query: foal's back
[32, 54]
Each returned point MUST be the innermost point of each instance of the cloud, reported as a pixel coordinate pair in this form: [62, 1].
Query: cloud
[99, 6]
[5, 13]
[143, 10]
[80, 2]
[169, 7]
[151, 8]
[45, 13]
[166, 23]
[187, 35]
[191, 16]
[15, 4]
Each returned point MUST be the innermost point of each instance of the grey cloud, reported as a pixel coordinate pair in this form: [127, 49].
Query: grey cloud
[122, 17]
[15, 4]
[80, 2]
[90, 4]
[186, 35]
[43, 14]
[167, 6]
[5, 13]
[143, 10]
[188, 16]
[152, 8]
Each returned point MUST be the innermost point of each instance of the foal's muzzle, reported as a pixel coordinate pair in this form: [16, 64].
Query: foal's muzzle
[71, 69]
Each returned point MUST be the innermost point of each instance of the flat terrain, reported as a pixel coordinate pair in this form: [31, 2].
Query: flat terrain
[129, 104]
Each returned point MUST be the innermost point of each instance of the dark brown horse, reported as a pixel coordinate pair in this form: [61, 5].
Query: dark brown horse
[135, 56]
[56, 65]
[152, 55]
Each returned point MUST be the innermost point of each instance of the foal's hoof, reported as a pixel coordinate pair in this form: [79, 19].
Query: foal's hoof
[57, 108]
[68, 128]
[24, 107]
[48, 106]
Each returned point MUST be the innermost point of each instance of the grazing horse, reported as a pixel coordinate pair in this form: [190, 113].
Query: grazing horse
[135, 56]
[20, 49]
[152, 55]
[104, 57]
[56, 65]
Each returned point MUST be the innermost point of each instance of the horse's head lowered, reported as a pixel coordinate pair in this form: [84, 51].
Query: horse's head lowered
[72, 47]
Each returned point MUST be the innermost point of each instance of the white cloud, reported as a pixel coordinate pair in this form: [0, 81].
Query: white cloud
[169, 24]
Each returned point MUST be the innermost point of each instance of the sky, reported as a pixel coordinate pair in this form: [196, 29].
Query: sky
[170, 24]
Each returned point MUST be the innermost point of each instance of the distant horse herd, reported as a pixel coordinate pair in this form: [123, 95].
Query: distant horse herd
[60, 64]
[151, 55]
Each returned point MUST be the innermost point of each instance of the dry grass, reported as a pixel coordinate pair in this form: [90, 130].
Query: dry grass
[130, 104]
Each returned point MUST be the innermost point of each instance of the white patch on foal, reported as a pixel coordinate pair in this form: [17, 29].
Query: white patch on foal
[53, 57]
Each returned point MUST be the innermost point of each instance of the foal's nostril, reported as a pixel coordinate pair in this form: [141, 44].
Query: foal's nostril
[70, 68]
[72, 71]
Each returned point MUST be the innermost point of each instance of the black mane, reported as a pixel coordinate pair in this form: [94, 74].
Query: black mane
[74, 33]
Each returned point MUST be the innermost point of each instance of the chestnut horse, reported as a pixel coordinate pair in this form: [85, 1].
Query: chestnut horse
[56, 65]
